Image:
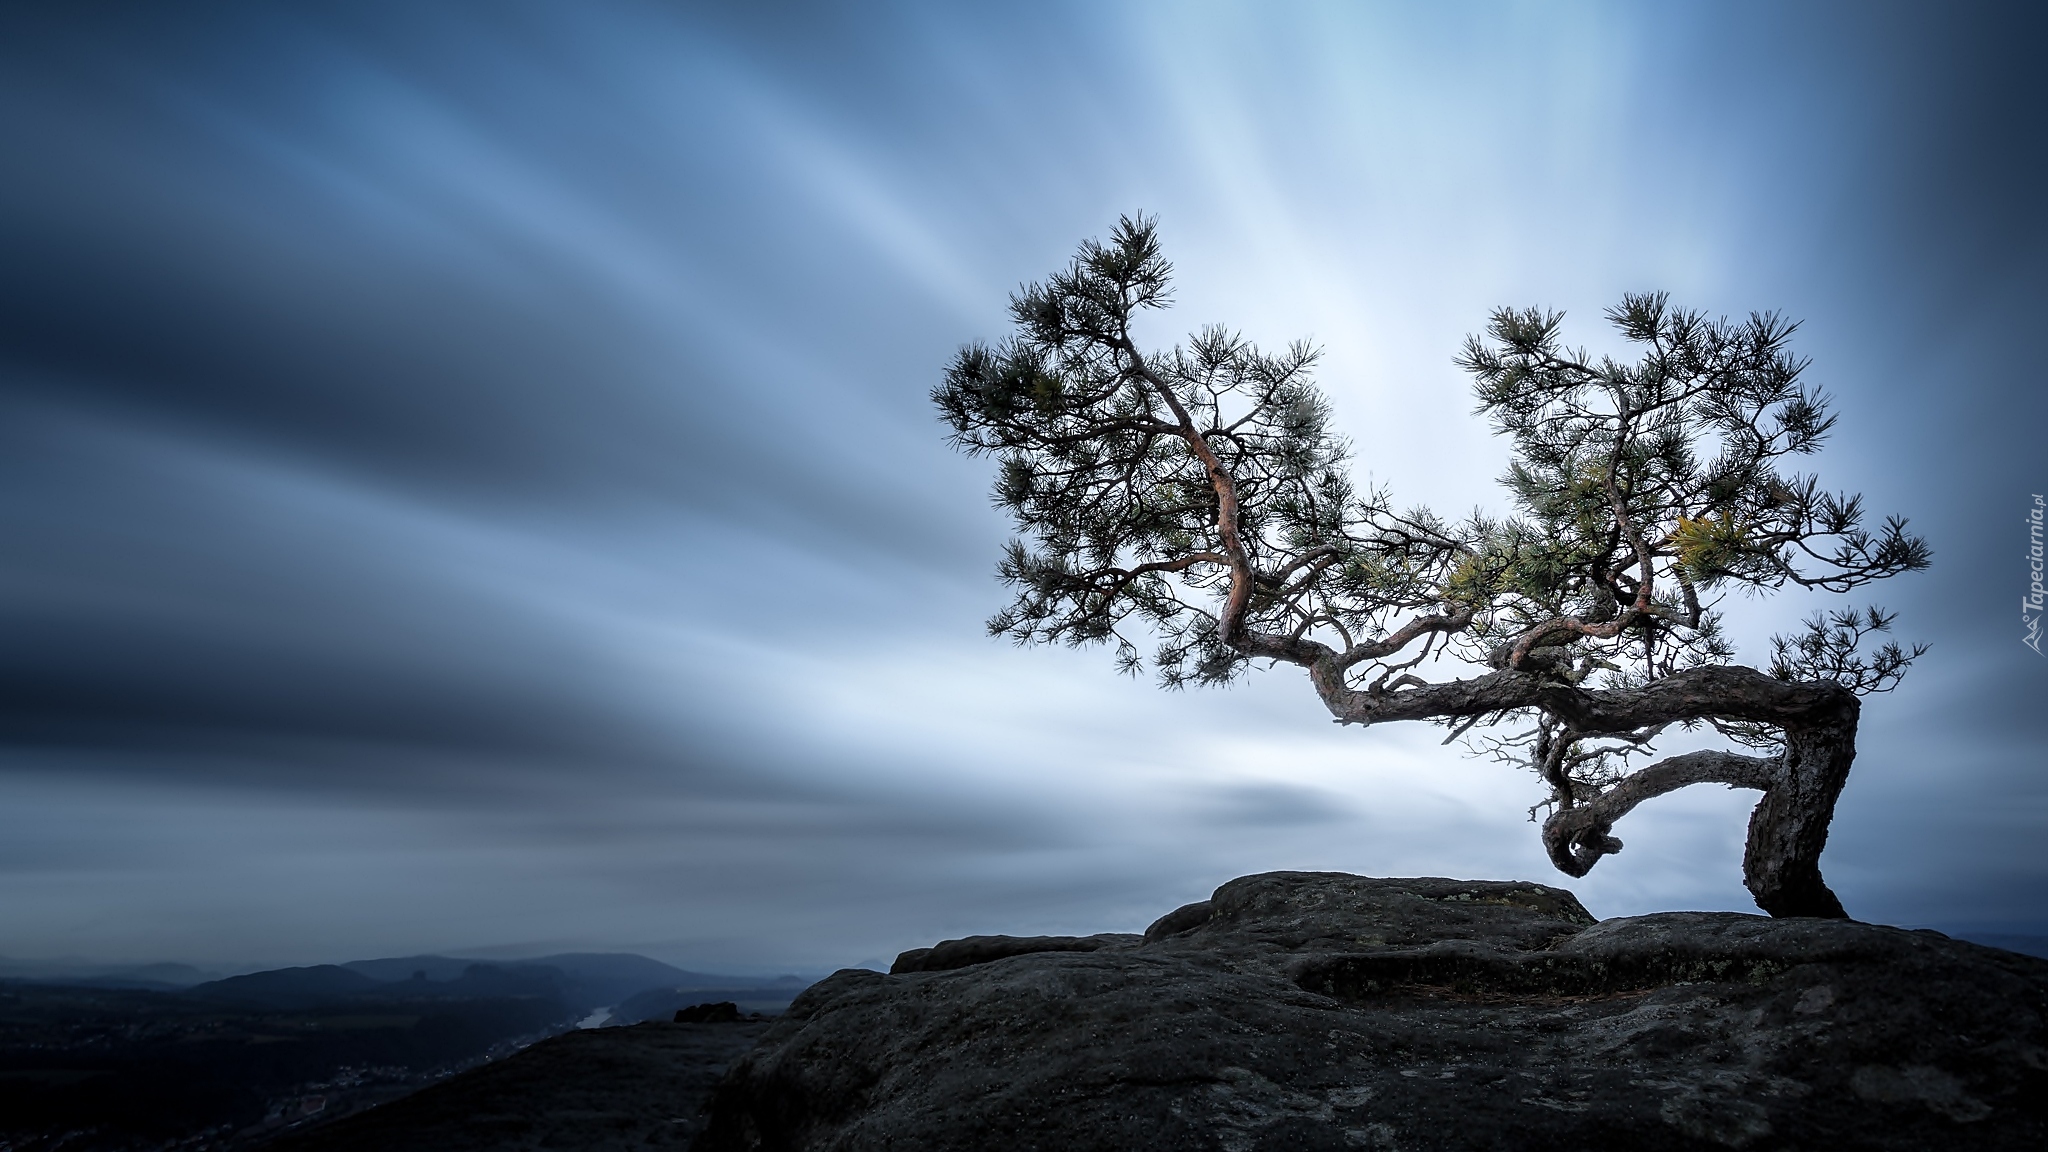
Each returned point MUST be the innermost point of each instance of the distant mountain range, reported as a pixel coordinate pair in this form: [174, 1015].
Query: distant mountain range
[85, 974]
[299, 989]
[583, 980]
[600, 977]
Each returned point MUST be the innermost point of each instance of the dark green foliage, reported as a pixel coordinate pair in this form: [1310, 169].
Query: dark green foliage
[1828, 649]
[1662, 477]
[1120, 516]
[1642, 490]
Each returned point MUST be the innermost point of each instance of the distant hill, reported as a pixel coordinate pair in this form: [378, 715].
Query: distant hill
[285, 987]
[403, 967]
[302, 988]
[594, 979]
[85, 974]
[582, 980]
[613, 976]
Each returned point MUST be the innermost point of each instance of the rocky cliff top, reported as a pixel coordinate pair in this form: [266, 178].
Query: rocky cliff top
[1326, 1011]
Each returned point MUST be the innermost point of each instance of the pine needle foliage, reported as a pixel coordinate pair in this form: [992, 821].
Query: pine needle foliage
[1197, 500]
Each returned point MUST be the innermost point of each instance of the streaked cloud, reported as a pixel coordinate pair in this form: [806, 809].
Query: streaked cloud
[470, 480]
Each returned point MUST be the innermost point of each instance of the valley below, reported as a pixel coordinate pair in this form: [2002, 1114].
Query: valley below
[237, 1063]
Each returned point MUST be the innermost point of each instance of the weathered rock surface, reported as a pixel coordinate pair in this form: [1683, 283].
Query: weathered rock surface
[1325, 1011]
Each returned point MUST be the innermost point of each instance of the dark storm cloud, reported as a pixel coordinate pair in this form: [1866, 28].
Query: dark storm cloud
[298, 306]
[358, 269]
[1924, 273]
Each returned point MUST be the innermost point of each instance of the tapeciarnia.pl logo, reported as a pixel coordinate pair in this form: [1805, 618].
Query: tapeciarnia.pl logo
[2032, 604]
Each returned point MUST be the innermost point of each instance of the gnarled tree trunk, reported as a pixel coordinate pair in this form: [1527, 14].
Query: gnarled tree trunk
[1788, 830]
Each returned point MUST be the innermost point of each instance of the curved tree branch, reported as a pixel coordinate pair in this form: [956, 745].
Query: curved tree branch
[1726, 691]
[1576, 837]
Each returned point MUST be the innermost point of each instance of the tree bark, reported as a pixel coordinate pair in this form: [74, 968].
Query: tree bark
[1788, 830]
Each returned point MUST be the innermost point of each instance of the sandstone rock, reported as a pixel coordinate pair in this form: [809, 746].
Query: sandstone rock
[1325, 1011]
[949, 954]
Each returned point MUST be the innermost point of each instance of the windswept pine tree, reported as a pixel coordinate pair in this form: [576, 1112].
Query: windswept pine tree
[1195, 499]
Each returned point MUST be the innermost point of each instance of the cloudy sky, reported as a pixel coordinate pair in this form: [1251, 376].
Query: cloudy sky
[467, 480]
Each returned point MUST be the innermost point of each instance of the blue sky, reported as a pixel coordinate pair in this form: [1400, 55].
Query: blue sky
[470, 483]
